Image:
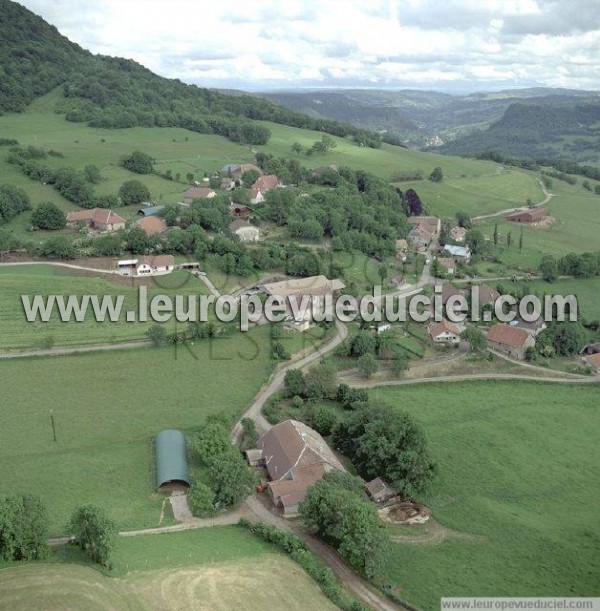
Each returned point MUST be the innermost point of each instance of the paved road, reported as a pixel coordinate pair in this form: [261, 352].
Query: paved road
[547, 197]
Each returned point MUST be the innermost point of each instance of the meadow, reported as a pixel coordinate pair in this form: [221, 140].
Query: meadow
[469, 184]
[222, 567]
[16, 332]
[576, 229]
[108, 407]
[517, 487]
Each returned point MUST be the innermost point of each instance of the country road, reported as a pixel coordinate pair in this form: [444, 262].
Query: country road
[275, 384]
[61, 351]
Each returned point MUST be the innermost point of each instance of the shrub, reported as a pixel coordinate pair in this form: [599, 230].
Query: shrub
[48, 216]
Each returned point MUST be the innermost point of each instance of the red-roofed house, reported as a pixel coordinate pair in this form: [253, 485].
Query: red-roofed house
[198, 193]
[261, 186]
[295, 457]
[241, 169]
[510, 340]
[152, 225]
[444, 332]
[101, 219]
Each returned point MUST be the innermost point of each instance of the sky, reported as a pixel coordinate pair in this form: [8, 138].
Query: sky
[261, 45]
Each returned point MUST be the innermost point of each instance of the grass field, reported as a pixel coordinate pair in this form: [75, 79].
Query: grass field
[478, 195]
[382, 162]
[586, 290]
[108, 407]
[517, 482]
[16, 332]
[475, 185]
[577, 228]
[221, 568]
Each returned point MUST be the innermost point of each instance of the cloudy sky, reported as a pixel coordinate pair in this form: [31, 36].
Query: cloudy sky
[448, 45]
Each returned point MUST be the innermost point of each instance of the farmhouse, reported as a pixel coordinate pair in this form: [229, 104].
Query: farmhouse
[510, 340]
[239, 170]
[152, 225]
[378, 491]
[157, 265]
[531, 216]
[460, 253]
[420, 237]
[397, 281]
[295, 457]
[444, 332]
[447, 264]
[261, 186]
[100, 219]
[198, 193]
[431, 222]
[488, 295]
[312, 291]
[244, 231]
[172, 472]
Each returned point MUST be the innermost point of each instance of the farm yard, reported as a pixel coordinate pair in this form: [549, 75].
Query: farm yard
[107, 410]
[215, 568]
[516, 494]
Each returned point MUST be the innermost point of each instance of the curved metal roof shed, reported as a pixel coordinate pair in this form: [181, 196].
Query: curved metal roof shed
[171, 460]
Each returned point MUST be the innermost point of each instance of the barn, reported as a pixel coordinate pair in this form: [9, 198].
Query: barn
[172, 472]
[532, 216]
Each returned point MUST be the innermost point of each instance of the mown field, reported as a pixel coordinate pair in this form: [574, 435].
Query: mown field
[108, 407]
[17, 332]
[215, 568]
[517, 485]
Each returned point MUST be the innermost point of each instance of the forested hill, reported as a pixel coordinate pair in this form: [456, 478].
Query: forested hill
[113, 92]
[539, 130]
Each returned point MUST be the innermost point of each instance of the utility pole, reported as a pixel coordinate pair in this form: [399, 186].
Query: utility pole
[53, 425]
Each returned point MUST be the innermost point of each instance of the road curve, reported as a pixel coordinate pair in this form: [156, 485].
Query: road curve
[547, 197]
[275, 384]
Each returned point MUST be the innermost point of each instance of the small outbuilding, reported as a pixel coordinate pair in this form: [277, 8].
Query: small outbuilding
[172, 472]
[379, 491]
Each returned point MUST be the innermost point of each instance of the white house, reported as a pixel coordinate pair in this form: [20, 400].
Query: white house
[444, 332]
[245, 231]
[155, 265]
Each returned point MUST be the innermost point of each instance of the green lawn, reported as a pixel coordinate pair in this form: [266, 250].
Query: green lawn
[16, 332]
[518, 471]
[108, 408]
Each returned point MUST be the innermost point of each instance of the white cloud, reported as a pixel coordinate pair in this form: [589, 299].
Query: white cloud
[474, 44]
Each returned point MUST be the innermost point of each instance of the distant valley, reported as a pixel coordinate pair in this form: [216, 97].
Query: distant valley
[535, 122]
